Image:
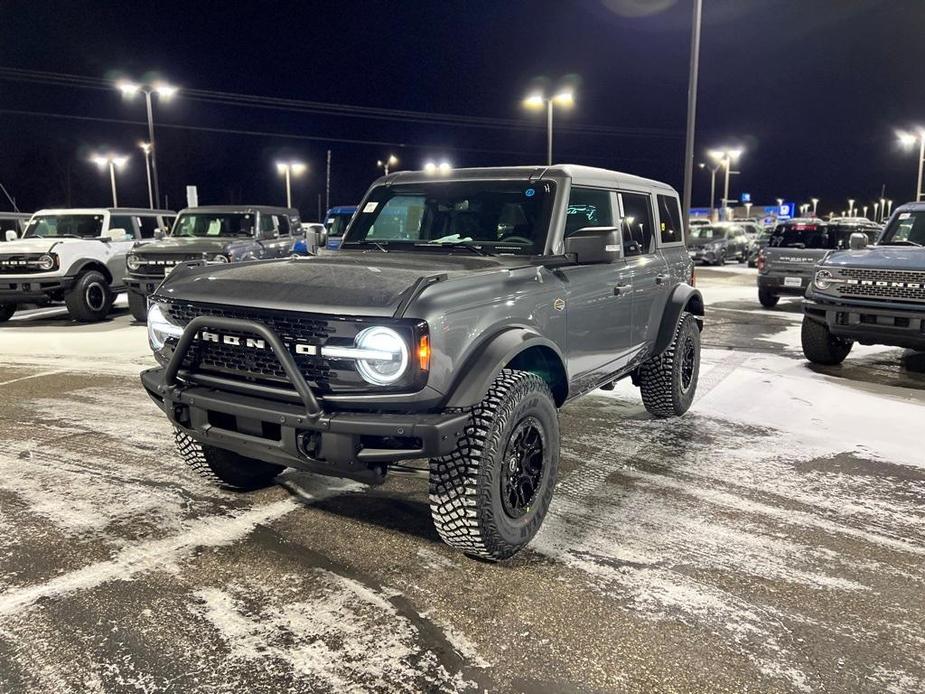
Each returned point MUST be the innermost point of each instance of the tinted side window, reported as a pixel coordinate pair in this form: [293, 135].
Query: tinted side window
[268, 223]
[122, 222]
[283, 221]
[588, 208]
[669, 215]
[148, 227]
[637, 221]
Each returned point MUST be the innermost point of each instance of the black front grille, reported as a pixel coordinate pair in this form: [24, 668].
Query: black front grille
[20, 264]
[158, 265]
[247, 358]
[901, 285]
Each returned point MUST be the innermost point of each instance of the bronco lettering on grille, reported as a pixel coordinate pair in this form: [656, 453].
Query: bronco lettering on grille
[251, 342]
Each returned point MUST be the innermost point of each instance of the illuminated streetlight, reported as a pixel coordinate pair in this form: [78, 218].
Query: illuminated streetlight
[712, 170]
[889, 209]
[815, 202]
[113, 161]
[850, 207]
[882, 206]
[537, 100]
[391, 161]
[725, 158]
[289, 169]
[864, 211]
[908, 140]
[129, 90]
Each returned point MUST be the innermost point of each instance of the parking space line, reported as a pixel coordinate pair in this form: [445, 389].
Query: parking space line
[38, 375]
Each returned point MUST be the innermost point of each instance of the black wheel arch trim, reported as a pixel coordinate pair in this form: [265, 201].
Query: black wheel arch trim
[476, 375]
[78, 267]
[683, 298]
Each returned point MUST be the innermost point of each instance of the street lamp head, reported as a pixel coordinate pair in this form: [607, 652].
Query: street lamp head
[734, 154]
[164, 90]
[297, 168]
[701, 165]
[564, 98]
[535, 100]
[430, 167]
[905, 139]
[393, 160]
[118, 160]
[145, 147]
[128, 88]
[100, 161]
[815, 201]
[444, 167]
[716, 155]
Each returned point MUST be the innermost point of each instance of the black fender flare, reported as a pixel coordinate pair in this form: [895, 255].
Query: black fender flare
[480, 370]
[683, 298]
[78, 267]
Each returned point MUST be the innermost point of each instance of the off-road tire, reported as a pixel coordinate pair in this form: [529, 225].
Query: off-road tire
[822, 347]
[138, 307]
[6, 312]
[767, 299]
[225, 468]
[90, 299]
[667, 388]
[466, 499]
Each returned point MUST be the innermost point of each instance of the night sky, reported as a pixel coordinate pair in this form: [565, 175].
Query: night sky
[812, 89]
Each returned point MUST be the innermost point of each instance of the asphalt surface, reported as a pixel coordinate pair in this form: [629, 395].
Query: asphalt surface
[773, 539]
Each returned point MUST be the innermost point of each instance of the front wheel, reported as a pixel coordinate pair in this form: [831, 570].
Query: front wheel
[490, 495]
[224, 468]
[668, 381]
[822, 347]
[138, 307]
[767, 299]
[6, 312]
[90, 299]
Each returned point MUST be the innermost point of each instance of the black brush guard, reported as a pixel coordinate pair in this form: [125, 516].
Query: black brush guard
[357, 445]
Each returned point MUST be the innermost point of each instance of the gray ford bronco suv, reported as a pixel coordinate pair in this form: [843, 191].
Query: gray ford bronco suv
[874, 295]
[462, 311]
[217, 234]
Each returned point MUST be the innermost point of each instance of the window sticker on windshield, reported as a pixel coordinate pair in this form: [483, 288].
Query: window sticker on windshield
[905, 215]
[530, 192]
[370, 207]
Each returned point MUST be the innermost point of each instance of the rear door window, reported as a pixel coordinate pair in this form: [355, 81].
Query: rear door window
[637, 221]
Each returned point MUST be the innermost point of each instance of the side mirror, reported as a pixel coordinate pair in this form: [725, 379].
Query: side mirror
[594, 245]
[159, 234]
[10, 235]
[117, 234]
[857, 241]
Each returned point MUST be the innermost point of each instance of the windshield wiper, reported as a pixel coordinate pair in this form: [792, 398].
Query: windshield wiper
[900, 242]
[478, 250]
[367, 242]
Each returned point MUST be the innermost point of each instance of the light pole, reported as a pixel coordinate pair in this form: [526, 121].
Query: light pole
[850, 207]
[864, 211]
[725, 157]
[113, 161]
[908, 140]
[882, 204]
[390, 161]
[537, 100]
[815, 202]
[876, 207]
[290, 169]
[146, 148]
[889, 210]
[712, 170]
[164, 91]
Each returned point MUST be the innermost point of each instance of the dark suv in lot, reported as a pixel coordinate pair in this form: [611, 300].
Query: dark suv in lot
[874, 295]
[217, 234]
[785, 265]
[714, 244]
[462, 311]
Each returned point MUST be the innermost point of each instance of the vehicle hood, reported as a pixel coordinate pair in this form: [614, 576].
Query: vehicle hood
[190, 246]
[346, 283]
[35, 245]
[880, 257]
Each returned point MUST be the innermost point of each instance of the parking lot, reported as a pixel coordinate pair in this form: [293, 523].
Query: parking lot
[770, 540]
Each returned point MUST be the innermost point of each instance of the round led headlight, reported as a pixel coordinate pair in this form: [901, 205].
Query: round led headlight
[46, 262]
[133, 262]
[823, 279]
[221, 258]
[160, 327]
[387, 360]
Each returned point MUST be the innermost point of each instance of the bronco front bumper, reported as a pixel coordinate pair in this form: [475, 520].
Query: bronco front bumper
[20, 290]
[357, 445]
[868, 323]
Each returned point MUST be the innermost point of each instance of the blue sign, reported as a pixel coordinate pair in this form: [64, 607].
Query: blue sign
[746, 197]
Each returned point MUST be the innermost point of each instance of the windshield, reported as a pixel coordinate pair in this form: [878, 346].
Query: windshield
[86, 226]
[906, 229]
[799, 236]
[493, 216]
[706, 233]
[337, 224]
[206, 225]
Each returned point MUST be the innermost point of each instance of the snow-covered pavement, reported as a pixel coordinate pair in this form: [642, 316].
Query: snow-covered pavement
[771, 540]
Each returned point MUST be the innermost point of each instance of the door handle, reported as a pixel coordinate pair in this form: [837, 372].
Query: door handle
[622, 289]
[660, 278]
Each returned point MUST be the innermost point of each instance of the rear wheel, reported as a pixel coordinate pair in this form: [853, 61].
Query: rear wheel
[820, 346]
[767, 299]
[225, 468]
[668, 381]
[90, 299]
[138, 306]
[490, 495]
[6, 312]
